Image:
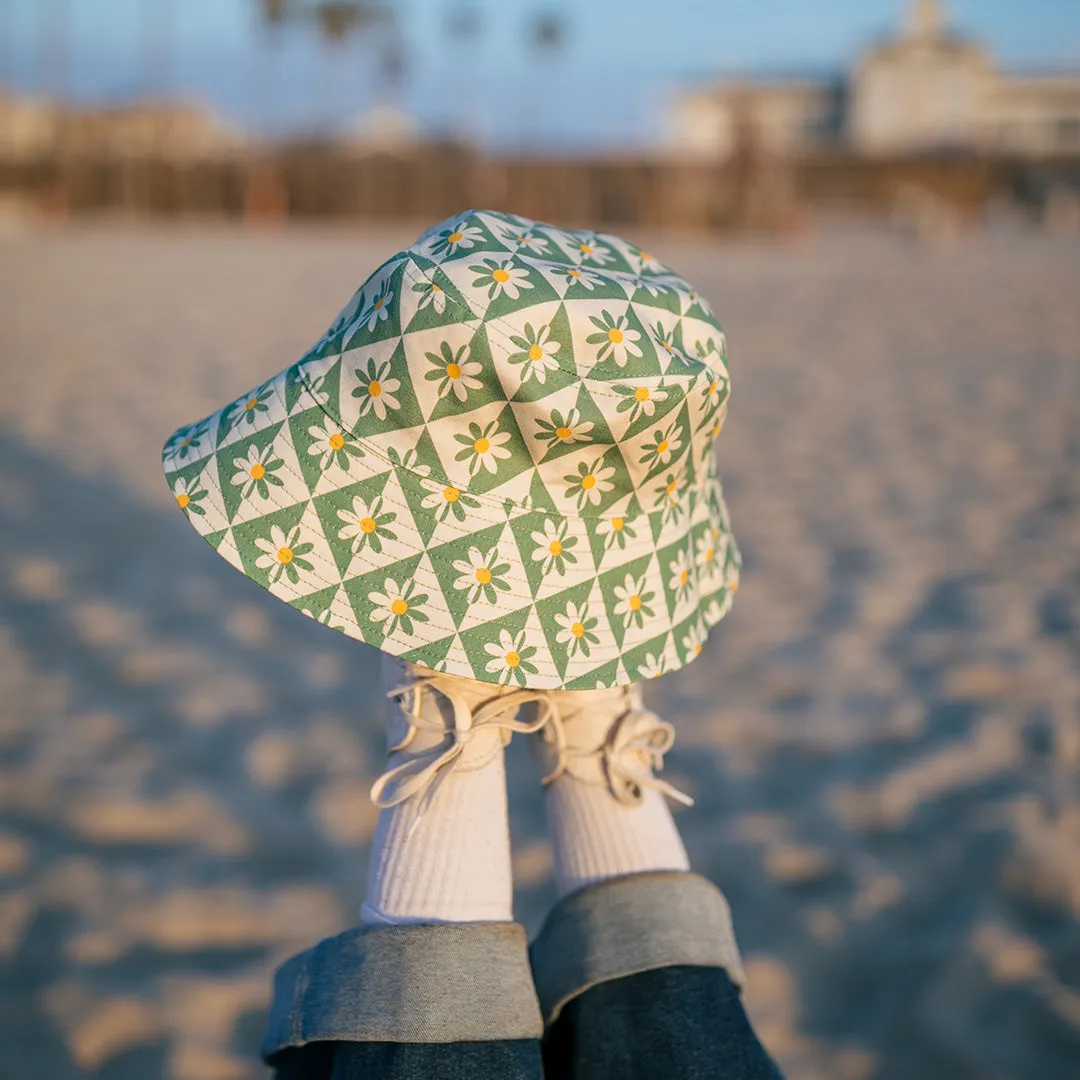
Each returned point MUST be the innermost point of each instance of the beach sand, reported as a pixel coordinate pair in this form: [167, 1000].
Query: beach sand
[883, 738]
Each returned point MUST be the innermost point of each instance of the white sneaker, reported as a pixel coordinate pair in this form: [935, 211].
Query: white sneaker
[606, 738]
[438, 724]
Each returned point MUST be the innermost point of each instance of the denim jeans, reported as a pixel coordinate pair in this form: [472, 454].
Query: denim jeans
[635, 977]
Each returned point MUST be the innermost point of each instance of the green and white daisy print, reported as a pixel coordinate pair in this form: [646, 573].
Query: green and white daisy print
[498, 462]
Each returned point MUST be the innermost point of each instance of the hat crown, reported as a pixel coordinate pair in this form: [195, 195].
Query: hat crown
[502, 337]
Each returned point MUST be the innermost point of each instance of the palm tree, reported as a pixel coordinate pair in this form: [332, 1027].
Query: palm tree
[546, 38]
[464, 27]
[338, 19]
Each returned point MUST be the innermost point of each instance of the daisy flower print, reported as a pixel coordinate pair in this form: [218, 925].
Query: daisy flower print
[366, 525]
[454, 371]
[377, 389]
[332, 446]
[575, 276]
[283, 554]
[563, 430]
[380, 307]
[640, 400]
[398, 606]
[591, 483]
[536, 350]
[577, 630]
[481, 574]
[501, 278]
[448, 501]
[188, 494]
[633, 601]
[484, 447]
[432, 295]
[553, 544]
[510, 657]
[257, 472]
[616, 338]
[666, 443]
[459, 237]
[616, 531]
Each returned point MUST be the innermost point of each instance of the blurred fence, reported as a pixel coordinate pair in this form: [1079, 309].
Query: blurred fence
[433, 181]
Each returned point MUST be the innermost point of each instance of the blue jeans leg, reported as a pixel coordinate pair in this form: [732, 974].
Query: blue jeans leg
[681, 1023]
[408, 1002]
[517, 1059]
[638, 976]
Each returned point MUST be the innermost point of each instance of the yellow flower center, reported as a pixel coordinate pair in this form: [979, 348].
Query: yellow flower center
[734, 586]
[482, 445]
[668, 348]
[646, 257]
[374, 388]
[710, 554]
[555, 547]
[712, 387]
[563, 432]
[453, 371]
[578, 630]
[284, 555]
[399, 607]
[251, 404]
[617, 524]
[257, 471]
[512, 659]
[435, 288]
[588, 482]
[573, 273]
[483, 575]
[697, 648]
[187, 440]
[672, 486]
[641, 393]
[586, 249]
[368, 525]
[378, 303]
[716, 428]
[451, 494]
[662, 446]
[337, 441]
[684, 577]
[454, 238]
[614, 335]
[182, 500]
[500, 275]
[634, 603]
[535, 353]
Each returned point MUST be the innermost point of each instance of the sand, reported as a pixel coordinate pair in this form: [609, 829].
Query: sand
[883, 738]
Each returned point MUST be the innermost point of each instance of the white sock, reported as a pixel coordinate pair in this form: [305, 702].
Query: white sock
[441, 851]
[606, 809]
[595, 837]
[455, 867]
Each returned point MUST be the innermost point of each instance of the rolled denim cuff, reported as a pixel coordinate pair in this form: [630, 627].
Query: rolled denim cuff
[466, 982]
[631, 924]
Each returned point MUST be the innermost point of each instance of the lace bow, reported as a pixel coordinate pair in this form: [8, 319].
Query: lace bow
[629, 756]
[426, 771]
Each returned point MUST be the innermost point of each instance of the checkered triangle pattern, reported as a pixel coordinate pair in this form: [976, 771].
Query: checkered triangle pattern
[497, 462]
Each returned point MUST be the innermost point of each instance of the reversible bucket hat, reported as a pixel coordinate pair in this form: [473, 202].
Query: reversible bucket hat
[497, 463]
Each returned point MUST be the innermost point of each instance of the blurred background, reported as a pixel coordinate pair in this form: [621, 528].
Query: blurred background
[882, 201]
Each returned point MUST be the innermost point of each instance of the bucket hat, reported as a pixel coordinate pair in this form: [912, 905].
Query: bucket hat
[497, 463]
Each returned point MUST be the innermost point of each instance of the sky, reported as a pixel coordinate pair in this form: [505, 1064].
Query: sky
[605, 88]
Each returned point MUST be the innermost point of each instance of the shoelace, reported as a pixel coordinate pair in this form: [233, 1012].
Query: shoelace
[424, 773]
[630, 755]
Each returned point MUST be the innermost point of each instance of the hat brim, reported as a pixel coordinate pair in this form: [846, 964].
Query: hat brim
[366, 540]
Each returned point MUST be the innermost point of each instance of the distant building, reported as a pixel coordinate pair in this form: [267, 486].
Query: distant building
[925, 89]
[34, 128]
